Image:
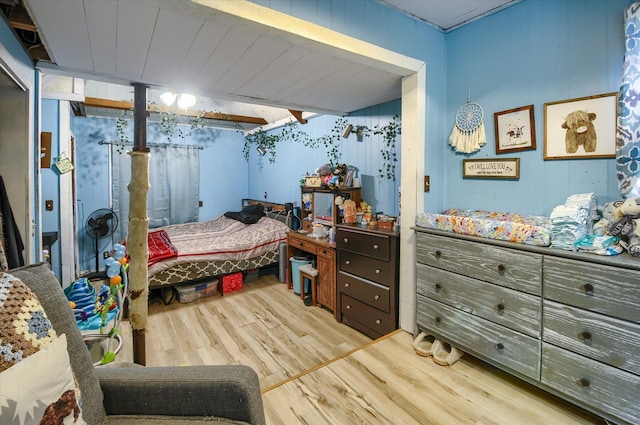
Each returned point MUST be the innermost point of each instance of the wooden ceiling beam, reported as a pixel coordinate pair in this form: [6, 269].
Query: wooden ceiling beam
[298, 115]
[19, 19]
[125, 105]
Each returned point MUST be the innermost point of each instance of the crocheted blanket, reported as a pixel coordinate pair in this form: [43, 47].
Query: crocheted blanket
[24, 326]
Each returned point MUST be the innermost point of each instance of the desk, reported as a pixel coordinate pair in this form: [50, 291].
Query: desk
[325, 253]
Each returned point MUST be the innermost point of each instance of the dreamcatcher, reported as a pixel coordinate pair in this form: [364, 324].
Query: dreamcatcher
[468, 135]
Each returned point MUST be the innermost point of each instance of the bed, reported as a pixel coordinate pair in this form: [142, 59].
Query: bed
[526, 229]
[189, 252]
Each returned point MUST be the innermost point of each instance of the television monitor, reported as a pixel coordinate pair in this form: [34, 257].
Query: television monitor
[323, 208]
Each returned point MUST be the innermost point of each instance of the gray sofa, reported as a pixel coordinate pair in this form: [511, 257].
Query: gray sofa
[146, 395]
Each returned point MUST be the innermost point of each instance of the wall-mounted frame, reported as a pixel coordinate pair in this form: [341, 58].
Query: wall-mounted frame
[583, 127]
[515, 130]
[491, 168]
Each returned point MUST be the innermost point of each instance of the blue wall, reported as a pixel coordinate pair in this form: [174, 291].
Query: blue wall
[534, 52]
[49, 122]
[281, 179]
[223, 172]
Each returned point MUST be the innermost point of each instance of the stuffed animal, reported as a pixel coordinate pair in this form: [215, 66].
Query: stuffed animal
[340, 170]
[580, 131]
[626, 225]
[608, 213]
[324, 170]
[333, 182]
[631, 207]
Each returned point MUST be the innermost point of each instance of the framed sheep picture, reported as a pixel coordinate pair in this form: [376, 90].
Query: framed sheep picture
[583, 127]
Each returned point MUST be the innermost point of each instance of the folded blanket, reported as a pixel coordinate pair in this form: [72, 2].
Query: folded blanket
[160, 246]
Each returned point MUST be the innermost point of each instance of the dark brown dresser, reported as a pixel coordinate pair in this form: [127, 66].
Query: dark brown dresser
[367, 282]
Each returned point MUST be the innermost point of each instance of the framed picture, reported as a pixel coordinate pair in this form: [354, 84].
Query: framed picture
[584, 127]
[515, 130]
[491, 168]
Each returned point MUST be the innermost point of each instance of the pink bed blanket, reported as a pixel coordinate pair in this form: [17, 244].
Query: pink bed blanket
[216, 240]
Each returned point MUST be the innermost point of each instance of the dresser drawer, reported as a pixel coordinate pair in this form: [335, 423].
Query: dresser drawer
[369, 244]
[369, 268]
[592, 383]
[326, 253]
[493, 342]
[507, 307]
[506, 267]
[367, 292]
[610, 290]
[594, 335]
[372, 318]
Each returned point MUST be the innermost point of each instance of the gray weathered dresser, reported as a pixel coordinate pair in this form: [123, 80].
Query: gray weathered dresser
[567, 322]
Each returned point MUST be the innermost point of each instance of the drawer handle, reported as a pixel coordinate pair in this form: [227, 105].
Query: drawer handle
[378, 271]
[347, 262]
[377, 297]
[500, 307]
[378, 321]
[438, 319]
[375, 246]
[346, 285]
[438, 287]
[588, 287]
[584, 382]
[348, 306]
[346, 240]
[500, 346]
[438, 254]
[586, 335]
[501, 267]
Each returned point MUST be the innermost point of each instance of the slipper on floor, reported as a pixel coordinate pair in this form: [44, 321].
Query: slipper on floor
[445, 354]
[423, 344]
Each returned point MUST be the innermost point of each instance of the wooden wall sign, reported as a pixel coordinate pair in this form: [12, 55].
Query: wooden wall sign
[503, 168]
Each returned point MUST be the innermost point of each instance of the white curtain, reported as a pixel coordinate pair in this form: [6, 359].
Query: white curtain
[174, 176]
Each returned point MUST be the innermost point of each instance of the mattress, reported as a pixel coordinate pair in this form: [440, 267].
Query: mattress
[184, 252]
[526, 229]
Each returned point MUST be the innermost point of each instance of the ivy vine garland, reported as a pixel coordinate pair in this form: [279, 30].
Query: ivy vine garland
[169, 121]
[331, 142]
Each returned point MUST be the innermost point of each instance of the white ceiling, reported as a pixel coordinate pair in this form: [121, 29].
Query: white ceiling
[449, 14]
[254, 61]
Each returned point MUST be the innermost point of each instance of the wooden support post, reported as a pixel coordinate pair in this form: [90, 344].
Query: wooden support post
[138, 227]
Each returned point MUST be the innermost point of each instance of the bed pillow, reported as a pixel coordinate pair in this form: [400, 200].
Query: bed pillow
[40, 388]
[249, 214]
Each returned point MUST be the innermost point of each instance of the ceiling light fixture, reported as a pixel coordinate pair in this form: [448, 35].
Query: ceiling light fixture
[186, 101]
[168, 98]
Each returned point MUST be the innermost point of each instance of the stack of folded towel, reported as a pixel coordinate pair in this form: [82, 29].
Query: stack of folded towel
[573, 220]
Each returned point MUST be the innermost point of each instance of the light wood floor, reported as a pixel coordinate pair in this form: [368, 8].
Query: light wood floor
[316, 371]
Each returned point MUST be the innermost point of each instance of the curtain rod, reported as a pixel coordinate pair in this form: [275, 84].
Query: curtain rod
[154, 145]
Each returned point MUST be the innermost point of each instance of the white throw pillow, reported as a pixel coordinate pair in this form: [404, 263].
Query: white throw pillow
[40, 385]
